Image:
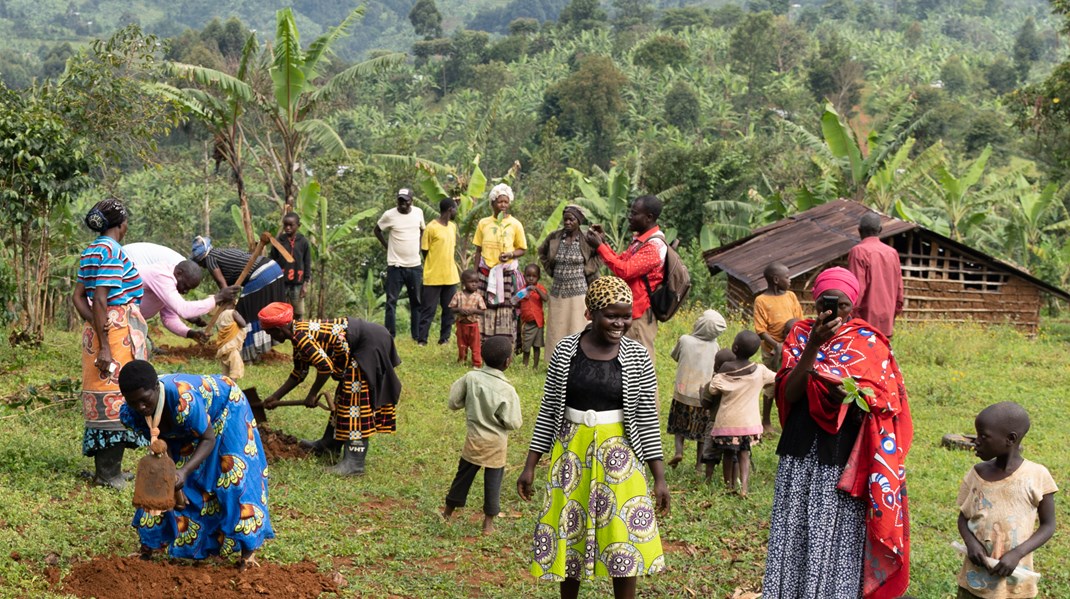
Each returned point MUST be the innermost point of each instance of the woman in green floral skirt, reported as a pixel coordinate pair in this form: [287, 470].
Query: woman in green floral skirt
[599, 422]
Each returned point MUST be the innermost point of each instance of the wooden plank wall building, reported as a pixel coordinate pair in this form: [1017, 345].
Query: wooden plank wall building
[942, 279]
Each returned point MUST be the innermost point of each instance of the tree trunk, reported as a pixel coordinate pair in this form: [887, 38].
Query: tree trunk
[322, 291]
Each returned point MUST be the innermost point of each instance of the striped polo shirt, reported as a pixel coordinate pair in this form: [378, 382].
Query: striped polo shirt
[230, 262]
[104, 264]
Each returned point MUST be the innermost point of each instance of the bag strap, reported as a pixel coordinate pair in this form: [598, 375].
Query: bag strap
[154, 420]
[664, 263]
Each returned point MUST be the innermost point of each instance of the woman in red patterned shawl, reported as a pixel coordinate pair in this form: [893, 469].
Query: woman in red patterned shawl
[839, 528]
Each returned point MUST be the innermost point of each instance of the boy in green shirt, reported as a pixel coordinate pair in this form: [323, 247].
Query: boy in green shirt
[492, 409]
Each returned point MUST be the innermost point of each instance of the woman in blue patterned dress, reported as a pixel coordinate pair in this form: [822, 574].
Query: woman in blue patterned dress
[212, 437]
[599, 421]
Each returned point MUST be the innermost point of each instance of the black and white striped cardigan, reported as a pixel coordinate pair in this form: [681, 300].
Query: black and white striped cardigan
[641, 426]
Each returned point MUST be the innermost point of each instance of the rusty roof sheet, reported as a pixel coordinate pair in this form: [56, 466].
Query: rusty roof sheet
[801, 242]
[809, 239]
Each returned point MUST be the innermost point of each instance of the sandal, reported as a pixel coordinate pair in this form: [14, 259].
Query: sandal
[245, 563]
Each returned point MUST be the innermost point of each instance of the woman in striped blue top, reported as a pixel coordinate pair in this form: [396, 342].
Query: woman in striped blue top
[106, 296]
[600, 423]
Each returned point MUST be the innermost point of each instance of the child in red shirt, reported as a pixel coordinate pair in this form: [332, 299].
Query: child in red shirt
[531, 316]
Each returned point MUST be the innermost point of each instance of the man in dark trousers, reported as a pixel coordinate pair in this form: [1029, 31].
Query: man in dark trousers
[880, 279]
[399, 230]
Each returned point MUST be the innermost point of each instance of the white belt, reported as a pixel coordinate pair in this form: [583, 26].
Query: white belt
[591, 417]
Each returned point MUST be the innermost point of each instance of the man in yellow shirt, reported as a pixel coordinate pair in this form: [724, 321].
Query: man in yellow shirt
[438, 245]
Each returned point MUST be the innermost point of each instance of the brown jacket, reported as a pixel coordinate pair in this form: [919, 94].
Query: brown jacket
[548, 255]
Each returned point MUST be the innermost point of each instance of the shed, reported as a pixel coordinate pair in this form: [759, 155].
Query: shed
[942, 279]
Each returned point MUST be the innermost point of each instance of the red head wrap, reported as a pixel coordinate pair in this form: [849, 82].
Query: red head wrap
[276, 314]
[837, 278]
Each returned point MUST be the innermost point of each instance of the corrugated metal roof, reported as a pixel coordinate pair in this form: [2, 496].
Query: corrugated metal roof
[809, 239]
[801, 242]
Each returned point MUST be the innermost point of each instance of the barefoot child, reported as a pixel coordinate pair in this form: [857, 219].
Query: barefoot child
[531, 315]
[711, 455]
[999, 502]
[229, 342]
[694, 355]
[772, 310]
[468, 305]
[492, 409]
[738, 423]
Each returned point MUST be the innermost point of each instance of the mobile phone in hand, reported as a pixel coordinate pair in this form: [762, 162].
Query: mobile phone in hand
[828, 303]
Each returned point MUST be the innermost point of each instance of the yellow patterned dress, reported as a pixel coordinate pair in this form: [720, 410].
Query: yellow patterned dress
[323, 345]
[228, 492]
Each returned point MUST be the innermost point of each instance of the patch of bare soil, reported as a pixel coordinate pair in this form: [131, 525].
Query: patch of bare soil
[279, 445]
[126, 577]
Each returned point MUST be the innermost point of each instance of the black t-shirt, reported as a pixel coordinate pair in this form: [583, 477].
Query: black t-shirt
[594, 384]
[299, 271]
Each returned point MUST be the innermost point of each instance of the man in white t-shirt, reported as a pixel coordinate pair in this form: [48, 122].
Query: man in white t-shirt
[404, 225]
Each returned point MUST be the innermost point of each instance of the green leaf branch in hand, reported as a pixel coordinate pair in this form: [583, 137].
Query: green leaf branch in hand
[855, 393]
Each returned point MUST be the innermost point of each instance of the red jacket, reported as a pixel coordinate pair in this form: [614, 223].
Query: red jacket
[644, 256]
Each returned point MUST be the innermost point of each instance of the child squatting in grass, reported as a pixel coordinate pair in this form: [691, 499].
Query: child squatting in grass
[491, 409]
[999, 502]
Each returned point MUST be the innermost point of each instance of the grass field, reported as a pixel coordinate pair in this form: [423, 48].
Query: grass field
[383, 534]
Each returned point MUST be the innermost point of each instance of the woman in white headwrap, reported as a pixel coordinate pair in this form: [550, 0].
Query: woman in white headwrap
[499, 241]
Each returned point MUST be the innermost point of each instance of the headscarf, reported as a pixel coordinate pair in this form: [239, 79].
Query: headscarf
[709, 326]
[500, 189]
[201, 247]
[105, 214]
[576, 211]
[606, 291]
[837, 278]
[275, 315]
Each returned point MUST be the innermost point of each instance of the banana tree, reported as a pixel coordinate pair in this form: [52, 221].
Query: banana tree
[959, 207]
[325, 238]
[298, 98]
[1034, 214]
[293, 106]
[848, 162]
[901, 176]
[606, 196]
[222, 114]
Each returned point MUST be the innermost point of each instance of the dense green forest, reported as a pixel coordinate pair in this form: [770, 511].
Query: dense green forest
[944, 112]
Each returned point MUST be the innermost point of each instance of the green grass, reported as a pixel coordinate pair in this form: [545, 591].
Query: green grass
[382, 531]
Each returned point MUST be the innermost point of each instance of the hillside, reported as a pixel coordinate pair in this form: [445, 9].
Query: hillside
[25, 24]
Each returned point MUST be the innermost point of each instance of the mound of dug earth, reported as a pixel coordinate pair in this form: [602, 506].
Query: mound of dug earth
[279, 445]
[128, 577]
